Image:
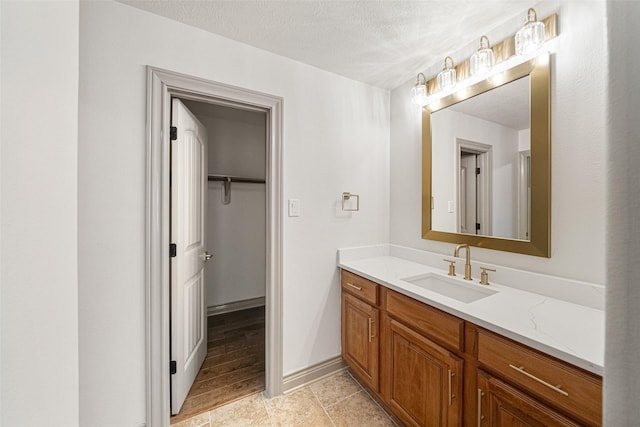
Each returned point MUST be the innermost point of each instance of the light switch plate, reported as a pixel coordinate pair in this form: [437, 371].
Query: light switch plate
[294, 207]
[450, 206]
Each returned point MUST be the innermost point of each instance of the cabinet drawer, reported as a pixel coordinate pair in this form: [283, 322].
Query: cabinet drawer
[560, 384]
[501, 404]
[360, 287]
[442, 327]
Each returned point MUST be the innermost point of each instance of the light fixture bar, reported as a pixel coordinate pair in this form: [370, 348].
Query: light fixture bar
[501, 51]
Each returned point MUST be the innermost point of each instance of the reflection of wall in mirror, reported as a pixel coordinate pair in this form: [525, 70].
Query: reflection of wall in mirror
[446, 127]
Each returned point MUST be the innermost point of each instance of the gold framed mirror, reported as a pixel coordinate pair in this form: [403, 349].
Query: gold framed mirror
[470, 131]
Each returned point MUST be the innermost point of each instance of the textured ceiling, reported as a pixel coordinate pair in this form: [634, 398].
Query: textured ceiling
[383, 43]
[507, 105]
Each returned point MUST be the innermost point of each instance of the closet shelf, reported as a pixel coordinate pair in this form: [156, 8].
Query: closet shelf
[226, 178]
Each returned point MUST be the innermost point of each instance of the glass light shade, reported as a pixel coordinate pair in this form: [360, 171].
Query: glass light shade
[419, 91]
[482, 61]
[447, 77]
[530, 38]
[419, 94]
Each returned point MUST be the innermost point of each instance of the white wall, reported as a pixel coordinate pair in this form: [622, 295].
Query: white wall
[39, 311]
[336, 138]
[236, 232]
[622, 372]
[236, 139]
[524, 140]
[237, 239]
[578, 85]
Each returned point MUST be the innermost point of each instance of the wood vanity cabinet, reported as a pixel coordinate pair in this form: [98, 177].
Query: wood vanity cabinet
[503, 405]
[431, 368]
[423, 381]
[572, 391]
[420, 370]
[360, 324]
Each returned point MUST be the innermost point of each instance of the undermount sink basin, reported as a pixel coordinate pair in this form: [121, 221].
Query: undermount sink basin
[449, 287]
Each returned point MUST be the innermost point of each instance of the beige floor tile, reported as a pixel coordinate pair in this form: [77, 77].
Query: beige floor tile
[298, 409]
[201, 420]
[250, 411]
[358, 410]
[335, 388]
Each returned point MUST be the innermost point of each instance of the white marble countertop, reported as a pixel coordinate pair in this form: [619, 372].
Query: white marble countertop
[571, 332]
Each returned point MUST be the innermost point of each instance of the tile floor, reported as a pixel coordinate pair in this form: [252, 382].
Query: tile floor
[336, 401]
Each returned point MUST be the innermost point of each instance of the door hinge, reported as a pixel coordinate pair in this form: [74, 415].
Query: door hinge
[173, 367]
[478, 226]
[173, 250]
[173, 134]
[477, 171]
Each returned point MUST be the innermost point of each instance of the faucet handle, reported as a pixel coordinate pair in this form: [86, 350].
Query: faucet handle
[452, 266]
[484, 276]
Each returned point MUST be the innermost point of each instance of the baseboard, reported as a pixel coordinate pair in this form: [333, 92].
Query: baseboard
[235, 306]
[312, 374]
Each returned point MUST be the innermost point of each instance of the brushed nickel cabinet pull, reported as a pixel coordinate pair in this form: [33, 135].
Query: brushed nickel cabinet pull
[480, 417]
[370, 329]
[557, 388]
[357, 288]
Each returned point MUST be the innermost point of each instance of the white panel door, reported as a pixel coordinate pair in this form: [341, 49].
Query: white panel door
[467, 193]
[188, 204]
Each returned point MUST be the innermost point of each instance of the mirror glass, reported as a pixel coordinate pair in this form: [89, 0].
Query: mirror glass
[481, 179]
[486, 169]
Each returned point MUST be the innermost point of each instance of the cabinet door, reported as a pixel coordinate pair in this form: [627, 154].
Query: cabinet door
[503, 405]
[424, 383]
[360, 339]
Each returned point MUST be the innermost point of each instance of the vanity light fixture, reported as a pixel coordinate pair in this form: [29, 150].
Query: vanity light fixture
[447, 77]
[482, 61]
[530, 37]
[419, 91]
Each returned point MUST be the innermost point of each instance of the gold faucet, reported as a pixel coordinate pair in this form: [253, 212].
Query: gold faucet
[467, 264]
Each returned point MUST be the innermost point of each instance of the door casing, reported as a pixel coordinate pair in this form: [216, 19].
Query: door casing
[161, 86]
[484, 194]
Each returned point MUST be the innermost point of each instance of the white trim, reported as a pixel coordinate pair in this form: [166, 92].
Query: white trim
[161, 85]
[524, 195]
[485, 187]
[312, 374]
[213, 310]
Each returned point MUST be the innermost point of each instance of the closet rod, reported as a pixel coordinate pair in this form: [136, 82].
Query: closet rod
[235, 179]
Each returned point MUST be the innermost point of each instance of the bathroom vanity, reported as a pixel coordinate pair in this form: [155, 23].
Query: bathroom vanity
[480, 356]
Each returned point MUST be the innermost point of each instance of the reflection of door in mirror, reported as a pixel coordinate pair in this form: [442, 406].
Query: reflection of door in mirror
[524, 195]
[467, 191]
[474, 188]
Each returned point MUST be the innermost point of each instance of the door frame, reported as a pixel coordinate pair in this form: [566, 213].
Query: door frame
[161, 86]
[524, 195]
[484, 193]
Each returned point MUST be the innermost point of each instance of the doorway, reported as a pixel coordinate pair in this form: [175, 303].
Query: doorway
[164, 85]
[232, 314]
[474, 188]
